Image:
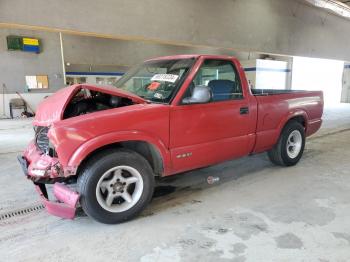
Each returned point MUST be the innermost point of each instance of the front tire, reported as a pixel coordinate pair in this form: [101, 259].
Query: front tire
[115, 186]
[290, 146]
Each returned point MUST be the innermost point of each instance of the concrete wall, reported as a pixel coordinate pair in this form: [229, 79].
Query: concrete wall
[271, 26]
[165, 27]
[99, 54]
[15, 65]
[83, 54]
[33, 100]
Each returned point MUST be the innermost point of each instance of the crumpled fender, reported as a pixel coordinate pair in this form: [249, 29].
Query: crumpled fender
[97, 142]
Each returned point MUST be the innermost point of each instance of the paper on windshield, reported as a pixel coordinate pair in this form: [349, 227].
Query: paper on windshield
[165, 77]
[153, 86]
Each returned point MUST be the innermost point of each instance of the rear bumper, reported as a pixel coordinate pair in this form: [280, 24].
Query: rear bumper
[66, 200]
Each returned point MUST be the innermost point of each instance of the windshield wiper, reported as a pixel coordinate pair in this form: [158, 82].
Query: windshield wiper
[147, 100]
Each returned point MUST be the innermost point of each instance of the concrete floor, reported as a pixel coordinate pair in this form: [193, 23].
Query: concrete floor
[257, 212]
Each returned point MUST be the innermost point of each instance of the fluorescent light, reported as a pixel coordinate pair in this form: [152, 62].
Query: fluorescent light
[332, 5]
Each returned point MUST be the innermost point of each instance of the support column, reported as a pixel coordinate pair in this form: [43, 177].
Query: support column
[62, 58]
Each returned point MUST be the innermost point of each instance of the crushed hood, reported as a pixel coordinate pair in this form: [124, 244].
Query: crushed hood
[51, 108]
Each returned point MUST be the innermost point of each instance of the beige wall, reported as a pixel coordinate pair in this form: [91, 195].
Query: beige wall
[273, 26]
[33, 99]
[159, 27]
[15, 65]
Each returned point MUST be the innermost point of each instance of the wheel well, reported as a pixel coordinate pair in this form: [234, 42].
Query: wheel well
[299, 119]
[147, 150]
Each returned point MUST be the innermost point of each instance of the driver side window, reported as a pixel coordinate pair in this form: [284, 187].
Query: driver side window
[222, 79]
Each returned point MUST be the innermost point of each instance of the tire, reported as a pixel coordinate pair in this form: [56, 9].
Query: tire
[282, 153]
[106, 177]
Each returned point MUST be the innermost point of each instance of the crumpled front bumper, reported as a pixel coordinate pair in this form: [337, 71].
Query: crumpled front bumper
[66, 200]
[40, 165]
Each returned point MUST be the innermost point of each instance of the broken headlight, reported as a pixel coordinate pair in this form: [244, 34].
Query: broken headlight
[41, 139]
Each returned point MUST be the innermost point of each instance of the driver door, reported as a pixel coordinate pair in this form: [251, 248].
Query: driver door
[215, 131]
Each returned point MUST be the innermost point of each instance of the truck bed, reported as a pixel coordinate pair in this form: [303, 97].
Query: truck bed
[276, 106]
[266, 92]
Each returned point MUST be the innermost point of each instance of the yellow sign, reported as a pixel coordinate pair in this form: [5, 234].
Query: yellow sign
[30, 41]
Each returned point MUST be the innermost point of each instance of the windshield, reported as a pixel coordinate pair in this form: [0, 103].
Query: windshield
[156, 80]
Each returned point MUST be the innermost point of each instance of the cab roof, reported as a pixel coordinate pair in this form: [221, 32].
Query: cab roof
[195, 56]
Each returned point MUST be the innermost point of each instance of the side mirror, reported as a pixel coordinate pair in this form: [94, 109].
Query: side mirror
[201, 94]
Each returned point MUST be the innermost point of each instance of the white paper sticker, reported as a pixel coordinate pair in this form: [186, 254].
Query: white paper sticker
[165, 77]
[158, 95]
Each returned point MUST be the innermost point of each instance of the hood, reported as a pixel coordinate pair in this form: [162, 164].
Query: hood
[51, 109]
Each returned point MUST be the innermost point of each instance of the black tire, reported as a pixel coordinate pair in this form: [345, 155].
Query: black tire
[279, 155]
[93, 171]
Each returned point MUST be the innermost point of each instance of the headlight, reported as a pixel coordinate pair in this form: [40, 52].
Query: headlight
[42, 140]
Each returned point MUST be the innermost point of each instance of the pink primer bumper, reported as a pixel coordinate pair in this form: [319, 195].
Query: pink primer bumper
[40, 165]
[32, 162]
[66, 203]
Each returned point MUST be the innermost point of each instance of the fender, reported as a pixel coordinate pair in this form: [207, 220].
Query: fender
[267, 139]
[106, 139]
[292, 114]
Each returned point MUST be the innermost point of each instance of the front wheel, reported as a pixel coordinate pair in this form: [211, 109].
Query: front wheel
[290, 146]
[115, 186]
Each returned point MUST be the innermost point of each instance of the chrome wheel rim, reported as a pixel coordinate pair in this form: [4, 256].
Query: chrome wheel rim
[119, 189]
[294, 143]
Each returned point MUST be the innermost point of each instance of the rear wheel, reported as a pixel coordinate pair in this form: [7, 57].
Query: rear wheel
[115, 186]
[290, 146]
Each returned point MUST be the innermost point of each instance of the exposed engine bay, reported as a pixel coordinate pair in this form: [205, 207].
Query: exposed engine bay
[87, 101]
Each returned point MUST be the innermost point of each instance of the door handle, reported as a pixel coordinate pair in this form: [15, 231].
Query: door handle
[244, 110]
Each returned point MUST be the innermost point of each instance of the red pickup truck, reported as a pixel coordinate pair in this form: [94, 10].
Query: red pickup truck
[166, 116]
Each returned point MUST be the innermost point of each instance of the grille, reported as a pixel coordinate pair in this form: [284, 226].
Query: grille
[41, 139]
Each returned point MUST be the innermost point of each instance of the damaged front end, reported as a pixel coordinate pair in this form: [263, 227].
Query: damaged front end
[46, 159]
[40, 164]
[43, 164]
